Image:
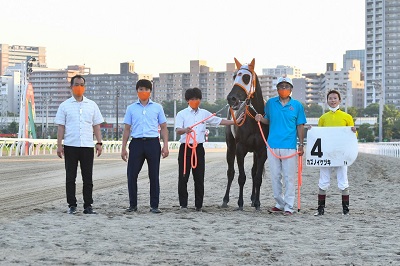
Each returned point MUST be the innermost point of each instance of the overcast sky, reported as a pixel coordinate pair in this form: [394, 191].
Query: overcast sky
[163, 36]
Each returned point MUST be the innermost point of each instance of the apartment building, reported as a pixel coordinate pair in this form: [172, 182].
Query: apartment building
[214, 85]
[10, 55]
[382, 43]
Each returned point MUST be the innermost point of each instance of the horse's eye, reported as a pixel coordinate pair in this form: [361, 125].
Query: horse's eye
[246, 79]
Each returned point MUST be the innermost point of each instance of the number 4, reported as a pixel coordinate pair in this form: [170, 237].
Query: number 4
[316, 149]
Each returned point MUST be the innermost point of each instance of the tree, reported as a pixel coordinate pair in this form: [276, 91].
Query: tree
[12, 127]
[312, 110]
[365, 133]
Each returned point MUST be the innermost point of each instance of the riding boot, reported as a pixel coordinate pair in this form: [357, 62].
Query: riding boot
[345, 204]
[321, 205]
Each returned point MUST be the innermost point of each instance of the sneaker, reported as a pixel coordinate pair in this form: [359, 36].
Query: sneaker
[89, 210]
[287, 213]
[321, 211]
[155, 210]
[275, 209]
[131, 209]
[72, 210]
[183, 209]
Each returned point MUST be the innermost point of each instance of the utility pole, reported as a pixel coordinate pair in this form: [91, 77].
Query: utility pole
[379, 88]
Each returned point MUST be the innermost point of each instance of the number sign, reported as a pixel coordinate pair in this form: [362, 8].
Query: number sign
[331, 146]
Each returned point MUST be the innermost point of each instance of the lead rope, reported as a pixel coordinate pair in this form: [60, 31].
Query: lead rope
[299, 166]
[192, 135]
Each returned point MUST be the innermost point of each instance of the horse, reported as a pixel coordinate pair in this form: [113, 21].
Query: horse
[244, 137]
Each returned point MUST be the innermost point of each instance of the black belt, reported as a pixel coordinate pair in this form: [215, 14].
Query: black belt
[145, 139]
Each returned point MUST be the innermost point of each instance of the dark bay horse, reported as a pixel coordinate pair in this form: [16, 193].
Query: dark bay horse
[245, 97]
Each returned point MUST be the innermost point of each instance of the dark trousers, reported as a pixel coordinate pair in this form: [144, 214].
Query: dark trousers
[198, 175]
[85, 156]
[140, 150]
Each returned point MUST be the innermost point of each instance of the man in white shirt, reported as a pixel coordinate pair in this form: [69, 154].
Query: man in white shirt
[185, 119]
[77, 119]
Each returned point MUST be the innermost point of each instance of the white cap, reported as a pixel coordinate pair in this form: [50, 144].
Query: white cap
[285, 79]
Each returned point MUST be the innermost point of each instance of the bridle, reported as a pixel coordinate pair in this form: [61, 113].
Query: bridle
[249, 88]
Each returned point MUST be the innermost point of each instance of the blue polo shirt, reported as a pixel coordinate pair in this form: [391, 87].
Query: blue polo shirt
[283, 122]
[144, 120]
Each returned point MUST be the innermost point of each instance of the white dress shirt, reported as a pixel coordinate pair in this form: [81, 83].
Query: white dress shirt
[188, 117]
[78, 119]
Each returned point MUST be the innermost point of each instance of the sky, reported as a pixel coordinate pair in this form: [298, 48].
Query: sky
[163, 36]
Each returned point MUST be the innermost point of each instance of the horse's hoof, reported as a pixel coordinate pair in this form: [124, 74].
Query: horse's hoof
[224, 205]
[239, 209]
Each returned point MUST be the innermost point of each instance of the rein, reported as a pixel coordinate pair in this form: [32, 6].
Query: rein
[192, 135]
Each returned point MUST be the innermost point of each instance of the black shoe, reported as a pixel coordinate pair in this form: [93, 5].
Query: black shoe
[131, 209]
[346, 210]
[89, 210]
[199, 210]
[72, 210]
[321, 211]
[155, 210]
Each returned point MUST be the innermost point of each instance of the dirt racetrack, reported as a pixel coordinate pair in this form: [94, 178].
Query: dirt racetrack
[35, 229]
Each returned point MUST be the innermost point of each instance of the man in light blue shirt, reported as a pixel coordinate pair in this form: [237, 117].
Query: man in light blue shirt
[286, 119]
[142, 120]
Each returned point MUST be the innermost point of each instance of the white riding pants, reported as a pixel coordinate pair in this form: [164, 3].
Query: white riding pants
[325, 177]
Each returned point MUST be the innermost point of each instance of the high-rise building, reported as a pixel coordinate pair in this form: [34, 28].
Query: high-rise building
[10, 55]
[350, 55]
[382, 42]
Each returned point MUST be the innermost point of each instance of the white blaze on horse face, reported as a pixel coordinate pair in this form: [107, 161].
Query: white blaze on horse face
[246, 86]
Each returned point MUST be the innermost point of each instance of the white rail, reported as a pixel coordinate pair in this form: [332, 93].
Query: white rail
[13, 146]
[391, 149]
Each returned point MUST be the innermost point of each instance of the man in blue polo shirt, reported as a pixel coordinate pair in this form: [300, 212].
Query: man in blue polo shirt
[286, 119]
[142, 120]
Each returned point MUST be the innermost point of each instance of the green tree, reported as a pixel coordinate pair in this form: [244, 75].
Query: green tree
[365, 133]
[312, 110]
[12, 127]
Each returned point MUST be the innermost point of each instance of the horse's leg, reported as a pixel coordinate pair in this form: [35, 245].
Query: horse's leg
[253, 174]
[257, 180]
[230, 159]
[240, 155]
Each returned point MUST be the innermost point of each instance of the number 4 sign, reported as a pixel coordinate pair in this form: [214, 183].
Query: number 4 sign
[331, 146]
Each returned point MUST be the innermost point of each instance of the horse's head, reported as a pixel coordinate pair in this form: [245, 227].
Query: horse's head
[244, 84]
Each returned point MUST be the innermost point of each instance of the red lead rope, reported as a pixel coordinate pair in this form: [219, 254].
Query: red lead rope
[192, 135]
[299, 165]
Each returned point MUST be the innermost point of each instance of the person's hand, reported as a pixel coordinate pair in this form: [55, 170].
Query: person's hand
[354, 129]
[164, 151]
[99, 149]
[240, 118]
[300, 149]
[60, 151]
[309, 127]
[188, 130]
[124, 155]
[258, 117]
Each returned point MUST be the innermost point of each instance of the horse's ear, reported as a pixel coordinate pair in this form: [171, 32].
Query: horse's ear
[252, 64]
[238, 64]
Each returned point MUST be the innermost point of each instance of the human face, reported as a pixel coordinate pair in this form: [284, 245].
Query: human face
[333, 100]
[194, 103]
[78, 87]
[143, 93]
[284, 90]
